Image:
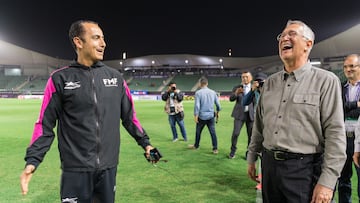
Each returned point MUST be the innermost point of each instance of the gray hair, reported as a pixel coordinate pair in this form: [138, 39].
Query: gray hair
[353, 55]
[308, 33]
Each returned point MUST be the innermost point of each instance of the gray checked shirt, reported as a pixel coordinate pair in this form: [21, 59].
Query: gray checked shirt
[302, 112]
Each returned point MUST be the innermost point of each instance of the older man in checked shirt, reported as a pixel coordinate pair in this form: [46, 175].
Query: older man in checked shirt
[299, 126]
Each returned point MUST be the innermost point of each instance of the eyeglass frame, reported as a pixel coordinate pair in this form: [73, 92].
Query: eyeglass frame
[291, 34]
[351, 66]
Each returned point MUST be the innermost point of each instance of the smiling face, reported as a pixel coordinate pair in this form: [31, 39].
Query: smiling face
[91, 45]
[352, 68]
[246, 78]
[294, 47]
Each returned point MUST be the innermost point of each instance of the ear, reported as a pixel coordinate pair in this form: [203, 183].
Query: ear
[309, 45]
[78, 42]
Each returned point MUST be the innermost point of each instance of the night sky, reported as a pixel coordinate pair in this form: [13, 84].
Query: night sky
[249, 29]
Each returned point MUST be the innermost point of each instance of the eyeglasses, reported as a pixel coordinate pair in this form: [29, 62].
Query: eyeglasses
[292, 34]
[351, 66]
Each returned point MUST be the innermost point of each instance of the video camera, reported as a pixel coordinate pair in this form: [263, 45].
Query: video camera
[155, 155]
[261, 82]
[260, 78]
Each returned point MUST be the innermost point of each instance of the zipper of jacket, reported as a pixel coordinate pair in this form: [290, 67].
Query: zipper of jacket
[96, 119]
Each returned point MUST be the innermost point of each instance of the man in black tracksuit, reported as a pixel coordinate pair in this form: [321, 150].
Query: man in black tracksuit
[86, 100]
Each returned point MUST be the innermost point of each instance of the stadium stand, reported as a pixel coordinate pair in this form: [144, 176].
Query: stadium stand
[152, 73]
[223, 83]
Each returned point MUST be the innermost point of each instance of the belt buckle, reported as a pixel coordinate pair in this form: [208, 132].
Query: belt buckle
[277, 156]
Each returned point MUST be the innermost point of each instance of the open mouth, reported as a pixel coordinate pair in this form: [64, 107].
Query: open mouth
[286, 47]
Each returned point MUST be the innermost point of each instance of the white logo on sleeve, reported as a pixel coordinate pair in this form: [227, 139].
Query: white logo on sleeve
[70, 200]
[72, 85]
[110, 82]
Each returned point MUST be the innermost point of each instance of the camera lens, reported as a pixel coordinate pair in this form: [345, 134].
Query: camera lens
[173, 88]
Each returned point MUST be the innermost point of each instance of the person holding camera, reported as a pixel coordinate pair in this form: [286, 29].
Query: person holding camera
[254, 94]
[241, 114]
[253, 97]
[175, 110]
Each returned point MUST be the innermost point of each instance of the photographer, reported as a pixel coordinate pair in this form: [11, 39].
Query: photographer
[242, 114]
[253, 95]
[174, 108]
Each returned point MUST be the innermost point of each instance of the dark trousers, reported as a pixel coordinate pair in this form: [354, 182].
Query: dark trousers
[344, 182]
[173, 119]
[211, 126]
[238, 124]
[289, 181]
[88, 187]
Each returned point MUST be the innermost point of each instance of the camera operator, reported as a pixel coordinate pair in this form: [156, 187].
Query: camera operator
[253, 95]
[175, 110]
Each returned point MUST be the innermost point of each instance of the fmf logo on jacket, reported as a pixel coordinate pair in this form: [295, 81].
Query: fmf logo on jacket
[110, 82]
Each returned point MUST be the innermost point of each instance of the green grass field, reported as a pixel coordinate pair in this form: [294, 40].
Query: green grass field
[189, 175]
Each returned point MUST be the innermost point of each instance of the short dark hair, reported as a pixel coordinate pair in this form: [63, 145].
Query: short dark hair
[204, 81]
[77, 30]
[171, 83]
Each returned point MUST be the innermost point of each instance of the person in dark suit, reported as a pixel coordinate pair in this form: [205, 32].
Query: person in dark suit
[351, 103]
[241, 114]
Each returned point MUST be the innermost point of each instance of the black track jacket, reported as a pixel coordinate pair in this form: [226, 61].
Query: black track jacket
[86, 104]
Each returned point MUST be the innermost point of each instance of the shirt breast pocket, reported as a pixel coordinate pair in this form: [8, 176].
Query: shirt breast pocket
[306, 106]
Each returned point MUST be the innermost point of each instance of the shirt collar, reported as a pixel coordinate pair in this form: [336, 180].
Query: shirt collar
[356, 84]
[298, 73]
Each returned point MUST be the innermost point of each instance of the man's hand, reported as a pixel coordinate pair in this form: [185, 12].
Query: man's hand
[239, 90]
[322, 194]
[254, 85]
[196, 119]
[25, 178]
[252, 172]
[356, 157]
[152, 154]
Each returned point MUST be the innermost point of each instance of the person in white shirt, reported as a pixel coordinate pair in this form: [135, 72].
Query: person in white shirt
[241, 114]
[351, 97]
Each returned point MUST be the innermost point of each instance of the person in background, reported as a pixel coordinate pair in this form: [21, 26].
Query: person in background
[206, 114]
[175, 109]
[253, 97]
[86, 101]
[299, 125]
[241, 114]
[351, 103]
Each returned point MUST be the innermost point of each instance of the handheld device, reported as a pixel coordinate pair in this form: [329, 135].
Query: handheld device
[155, 155]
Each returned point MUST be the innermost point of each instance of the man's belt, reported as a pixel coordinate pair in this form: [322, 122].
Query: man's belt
[283, 155]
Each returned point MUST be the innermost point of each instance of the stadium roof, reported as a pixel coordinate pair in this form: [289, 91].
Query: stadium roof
[335, 47]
